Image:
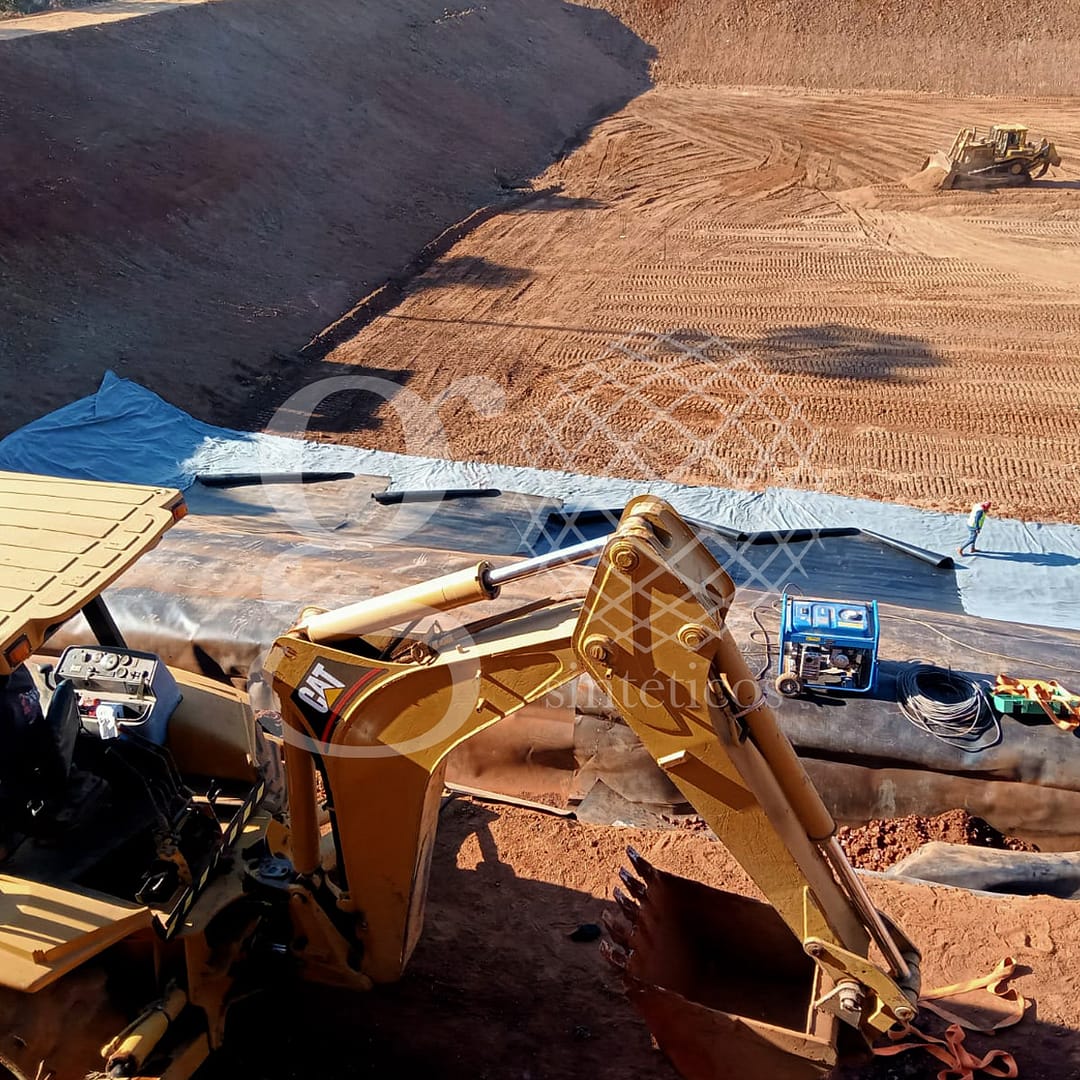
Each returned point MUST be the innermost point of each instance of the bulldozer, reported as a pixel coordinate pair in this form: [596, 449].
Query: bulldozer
[1001, 156]
[162, 857]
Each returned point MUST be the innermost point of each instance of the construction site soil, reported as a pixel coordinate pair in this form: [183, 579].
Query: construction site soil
[497, 989]
[941, 46]
[685, 240]
[187, 197]
[879, 844]
[723, 284]
[735, 287]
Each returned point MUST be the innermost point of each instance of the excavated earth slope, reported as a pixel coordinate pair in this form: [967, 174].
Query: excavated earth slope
[942, 46]
[189, 196]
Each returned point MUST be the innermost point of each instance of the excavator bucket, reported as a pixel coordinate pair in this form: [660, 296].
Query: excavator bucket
[721, 981]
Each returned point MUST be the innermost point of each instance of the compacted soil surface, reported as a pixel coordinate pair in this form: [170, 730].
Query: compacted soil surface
[497, 988]
[736, 287]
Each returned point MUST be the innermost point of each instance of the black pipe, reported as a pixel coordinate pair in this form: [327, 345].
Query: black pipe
[393, 498]
[771, 536]
[227, 480]
[940, 562]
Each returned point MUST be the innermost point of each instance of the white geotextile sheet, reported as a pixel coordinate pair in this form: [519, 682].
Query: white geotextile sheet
[1029, 572]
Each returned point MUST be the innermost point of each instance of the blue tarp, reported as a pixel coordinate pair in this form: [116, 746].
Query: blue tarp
[1026, 573]
[124, 433]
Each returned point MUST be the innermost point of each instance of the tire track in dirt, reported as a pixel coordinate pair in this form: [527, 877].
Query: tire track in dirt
[921, 373]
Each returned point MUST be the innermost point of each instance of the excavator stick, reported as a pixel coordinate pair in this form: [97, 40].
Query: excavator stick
[731, 988]
[720, 980]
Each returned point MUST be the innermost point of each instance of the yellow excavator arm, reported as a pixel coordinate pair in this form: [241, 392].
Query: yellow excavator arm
[728, 985]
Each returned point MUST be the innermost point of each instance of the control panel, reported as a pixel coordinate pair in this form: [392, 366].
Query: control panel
[119, 689]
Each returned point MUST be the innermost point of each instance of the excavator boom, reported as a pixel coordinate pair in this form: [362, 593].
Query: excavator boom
[376, 718]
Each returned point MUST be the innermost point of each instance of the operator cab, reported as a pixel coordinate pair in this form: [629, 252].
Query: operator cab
[117, 774]
[1009, 138]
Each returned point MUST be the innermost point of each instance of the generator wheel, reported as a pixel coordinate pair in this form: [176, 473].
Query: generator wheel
[788, 684]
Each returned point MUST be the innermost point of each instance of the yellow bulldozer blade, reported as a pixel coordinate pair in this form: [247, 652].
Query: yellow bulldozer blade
[940, 171]
[720, 979]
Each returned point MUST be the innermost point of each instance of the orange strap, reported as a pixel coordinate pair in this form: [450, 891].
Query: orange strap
[993, 983]
[961, 1063]
[1046, 699]
[1047, 693]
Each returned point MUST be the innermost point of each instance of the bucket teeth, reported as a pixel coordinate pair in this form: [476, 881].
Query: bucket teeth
[634, 887]
[614, 955]
[619, 930]
[626, 905]
[642, 867]
[720, 979]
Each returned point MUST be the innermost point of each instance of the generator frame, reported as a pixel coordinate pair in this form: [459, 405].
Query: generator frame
[812, 627]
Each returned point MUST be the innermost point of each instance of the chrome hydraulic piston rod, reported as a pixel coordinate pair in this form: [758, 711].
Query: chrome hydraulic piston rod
[463, 587]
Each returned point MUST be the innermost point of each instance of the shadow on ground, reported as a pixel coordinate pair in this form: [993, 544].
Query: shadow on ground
[836, 351]
[496, 989]
[472, 271]
[358, 405]
[1032, 558]
[243, 206]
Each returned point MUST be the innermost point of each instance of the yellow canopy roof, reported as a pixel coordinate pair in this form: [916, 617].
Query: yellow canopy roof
[61, 543]
[46, 931]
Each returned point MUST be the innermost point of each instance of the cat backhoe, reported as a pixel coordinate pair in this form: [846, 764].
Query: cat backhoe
[163, 858]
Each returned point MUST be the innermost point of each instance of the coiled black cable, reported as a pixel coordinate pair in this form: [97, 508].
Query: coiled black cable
[769, 641]
[953, 708]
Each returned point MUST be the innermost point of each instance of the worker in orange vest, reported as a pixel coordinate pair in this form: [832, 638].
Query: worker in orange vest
[976, 520]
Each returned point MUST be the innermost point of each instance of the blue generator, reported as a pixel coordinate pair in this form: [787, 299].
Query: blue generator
[827, 645]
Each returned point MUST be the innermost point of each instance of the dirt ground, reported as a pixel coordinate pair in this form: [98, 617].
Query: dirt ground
[497, 990]
[188, 197]
[725, 284]
[735, 287]
[878, 844]
[941, 46]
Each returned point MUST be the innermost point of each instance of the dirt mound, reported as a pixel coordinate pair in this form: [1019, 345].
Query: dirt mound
[955, 46]
[932, 178]
[878, 844]
[190, 196]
